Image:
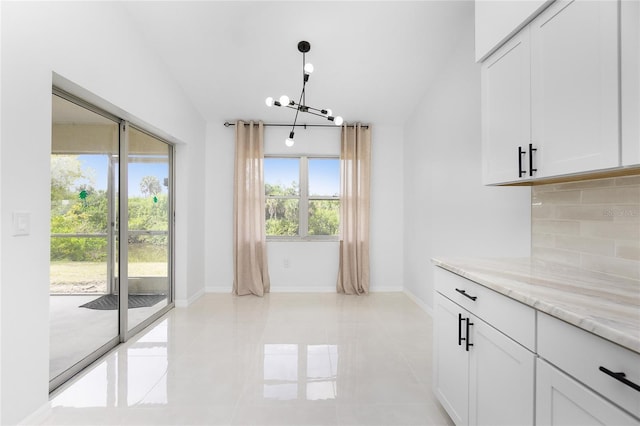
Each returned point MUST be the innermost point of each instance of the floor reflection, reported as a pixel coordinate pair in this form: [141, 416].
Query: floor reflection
[133, 376]
[299, 372]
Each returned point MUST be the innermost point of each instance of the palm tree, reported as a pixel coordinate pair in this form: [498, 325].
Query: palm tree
[150, 185]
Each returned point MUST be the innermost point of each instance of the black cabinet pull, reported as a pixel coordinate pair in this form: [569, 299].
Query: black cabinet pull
[521, 152]
[460, 338]
[464, 293]
[621, 377]
[531, 151]
[467, 344]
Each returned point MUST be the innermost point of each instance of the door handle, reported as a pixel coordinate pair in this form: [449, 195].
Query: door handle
[460, 338]
[531, 151]
[521, 152]
[467, 344]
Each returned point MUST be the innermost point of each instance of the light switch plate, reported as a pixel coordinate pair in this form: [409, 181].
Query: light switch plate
[21, 223]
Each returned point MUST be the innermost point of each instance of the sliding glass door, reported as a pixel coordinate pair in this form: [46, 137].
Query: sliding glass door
[88, 313]
[149, 242]
[82, 322]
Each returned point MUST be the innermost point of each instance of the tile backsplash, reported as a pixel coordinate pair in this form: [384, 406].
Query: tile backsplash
[591, 224]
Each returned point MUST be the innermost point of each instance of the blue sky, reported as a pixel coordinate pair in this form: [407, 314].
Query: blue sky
[97, 166]
[324, 174]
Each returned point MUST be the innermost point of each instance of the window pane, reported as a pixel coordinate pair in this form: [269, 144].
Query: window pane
[324, 177]
[324, 217]
[282, 176]
[281, 216]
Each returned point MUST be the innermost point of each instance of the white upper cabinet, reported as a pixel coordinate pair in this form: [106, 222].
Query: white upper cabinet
[496, 21]
[551, 98]
[574, 87]
[506, 111]
[630, 72]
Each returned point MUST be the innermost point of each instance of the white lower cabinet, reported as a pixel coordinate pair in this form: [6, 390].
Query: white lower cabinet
[499, 362]
[481, 376]
[561, 400]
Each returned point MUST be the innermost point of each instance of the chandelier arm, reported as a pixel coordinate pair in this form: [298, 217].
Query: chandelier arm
[315, 113]
[303, 97]
[298, 109]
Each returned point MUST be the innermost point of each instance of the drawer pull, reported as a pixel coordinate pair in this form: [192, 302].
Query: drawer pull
[621, 377]
[464, 293]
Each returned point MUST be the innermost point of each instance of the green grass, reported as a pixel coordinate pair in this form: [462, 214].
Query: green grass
[91, 277]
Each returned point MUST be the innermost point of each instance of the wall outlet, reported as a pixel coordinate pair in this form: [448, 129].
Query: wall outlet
[285, 263]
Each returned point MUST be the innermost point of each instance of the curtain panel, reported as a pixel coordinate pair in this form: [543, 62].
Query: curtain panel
[251, 274]
[355, 172]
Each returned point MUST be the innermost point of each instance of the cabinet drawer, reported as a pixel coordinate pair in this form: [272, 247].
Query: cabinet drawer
[560, 400]
[512, 318]
[581, 354]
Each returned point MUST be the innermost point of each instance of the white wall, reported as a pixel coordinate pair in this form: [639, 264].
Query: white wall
[448, 213]
[92, 45]
[312, 266]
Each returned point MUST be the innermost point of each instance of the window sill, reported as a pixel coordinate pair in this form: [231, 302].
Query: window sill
[327, 239]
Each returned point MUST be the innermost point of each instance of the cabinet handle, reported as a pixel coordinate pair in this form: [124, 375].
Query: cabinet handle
[531, 151]
[621, 377]
[521, 152]
[464, 293]
[460, 338]
[467, 344]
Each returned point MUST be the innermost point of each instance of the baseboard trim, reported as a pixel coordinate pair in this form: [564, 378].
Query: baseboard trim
[387, 289]
[38, 416]
[182, 303]
[307, 289]
[218, 290]
[299, 289]
[418, 302]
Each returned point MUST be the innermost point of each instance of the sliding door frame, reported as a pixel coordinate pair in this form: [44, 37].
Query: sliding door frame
[115, 215]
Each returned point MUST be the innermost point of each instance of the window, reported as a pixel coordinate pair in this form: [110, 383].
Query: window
[302, 197]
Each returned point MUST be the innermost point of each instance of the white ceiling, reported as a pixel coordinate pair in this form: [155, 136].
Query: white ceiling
[373, 60]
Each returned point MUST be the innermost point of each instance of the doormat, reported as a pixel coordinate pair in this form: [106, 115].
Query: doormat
[110, 301]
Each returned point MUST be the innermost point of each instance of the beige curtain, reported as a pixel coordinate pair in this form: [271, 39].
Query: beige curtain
[355, 170]
[251, 275]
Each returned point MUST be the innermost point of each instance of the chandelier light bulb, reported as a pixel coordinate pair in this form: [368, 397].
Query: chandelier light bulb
[308, 68]
[269, 101]
[284, 100]
[289, 141]
[338, 121]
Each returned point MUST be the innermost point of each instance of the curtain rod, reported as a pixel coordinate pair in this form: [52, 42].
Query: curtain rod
[227, 124]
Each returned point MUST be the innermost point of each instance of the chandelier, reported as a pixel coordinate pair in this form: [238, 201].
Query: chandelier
[301, 105]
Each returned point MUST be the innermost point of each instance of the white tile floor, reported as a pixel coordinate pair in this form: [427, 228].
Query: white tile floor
[295, 359]
[76, 332]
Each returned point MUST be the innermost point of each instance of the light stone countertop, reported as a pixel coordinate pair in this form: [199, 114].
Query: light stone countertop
[605, 306]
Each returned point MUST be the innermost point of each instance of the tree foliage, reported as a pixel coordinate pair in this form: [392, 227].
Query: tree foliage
[150, 185]
[282, 214]
[78, 208]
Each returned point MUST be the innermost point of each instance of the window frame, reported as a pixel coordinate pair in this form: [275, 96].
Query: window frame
[303, 198]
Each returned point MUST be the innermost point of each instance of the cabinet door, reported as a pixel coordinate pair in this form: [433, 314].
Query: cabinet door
[506, 110]
[630, 72]
[497, 20]
[501, 379]
[575, 90]
[560, 400]
[451, 361]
